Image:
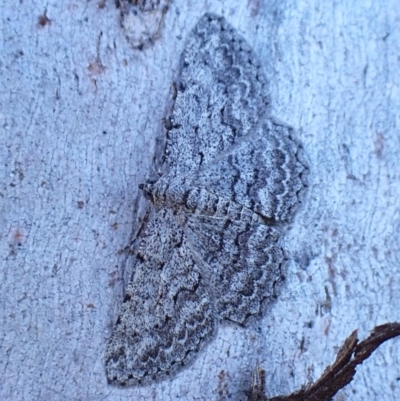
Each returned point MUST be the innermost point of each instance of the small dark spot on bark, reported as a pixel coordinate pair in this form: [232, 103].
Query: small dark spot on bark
[43, 20]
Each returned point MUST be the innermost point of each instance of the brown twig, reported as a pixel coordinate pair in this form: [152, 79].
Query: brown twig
[335, 376]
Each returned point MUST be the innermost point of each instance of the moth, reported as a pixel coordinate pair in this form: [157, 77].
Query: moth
[210, 252]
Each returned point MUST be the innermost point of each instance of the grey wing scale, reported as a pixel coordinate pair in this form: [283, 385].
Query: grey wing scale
[244, 261]
[166, 316]
[222, 94]
[263, 172]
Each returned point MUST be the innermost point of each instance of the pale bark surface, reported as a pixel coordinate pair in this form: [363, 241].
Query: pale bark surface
[80, 111]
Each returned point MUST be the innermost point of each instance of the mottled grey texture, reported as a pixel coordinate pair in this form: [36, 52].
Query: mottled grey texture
[142, 20]
[210, 251]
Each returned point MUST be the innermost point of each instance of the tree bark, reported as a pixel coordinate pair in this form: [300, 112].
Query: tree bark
[81, 111]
